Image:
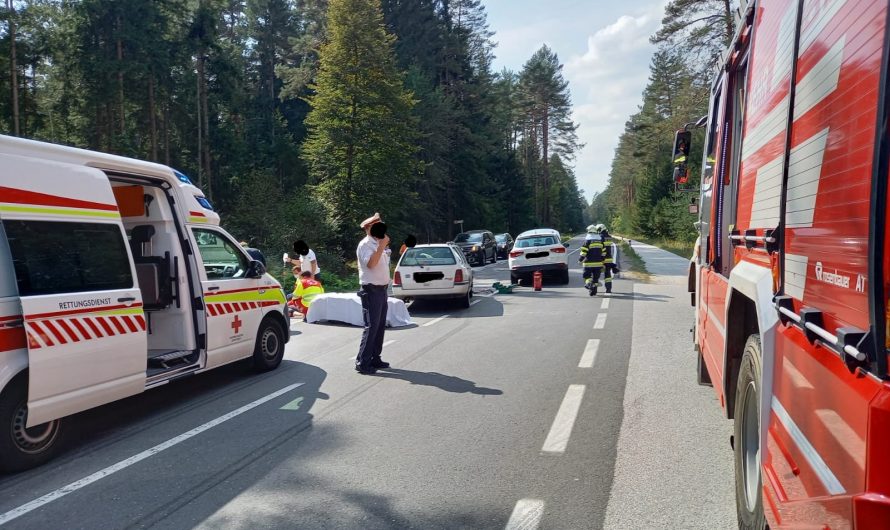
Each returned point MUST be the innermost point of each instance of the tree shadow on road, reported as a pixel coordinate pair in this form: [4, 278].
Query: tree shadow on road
[448, 383]
[640, 297]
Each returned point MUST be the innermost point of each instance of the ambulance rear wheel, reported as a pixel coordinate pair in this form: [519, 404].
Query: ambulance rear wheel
[24, 447]
[269, 350]
[746, 436]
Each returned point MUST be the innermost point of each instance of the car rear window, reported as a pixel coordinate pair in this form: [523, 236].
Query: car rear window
[535, 241]
[468, 238]
[500, 238]
[428, 256]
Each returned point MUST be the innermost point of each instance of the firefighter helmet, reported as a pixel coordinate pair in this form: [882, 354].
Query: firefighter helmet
[600, 228]
[591, 229]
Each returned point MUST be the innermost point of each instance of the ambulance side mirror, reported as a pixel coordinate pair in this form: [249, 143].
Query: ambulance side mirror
[255, 270]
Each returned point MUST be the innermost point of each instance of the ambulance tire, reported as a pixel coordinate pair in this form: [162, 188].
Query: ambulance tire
[746, 436]
[22, 448]
[269, 349]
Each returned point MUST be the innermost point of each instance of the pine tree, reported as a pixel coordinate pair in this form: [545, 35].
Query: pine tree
[548, 106]
[361, 144]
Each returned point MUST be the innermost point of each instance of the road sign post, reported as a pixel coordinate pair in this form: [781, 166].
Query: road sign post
[461, 223]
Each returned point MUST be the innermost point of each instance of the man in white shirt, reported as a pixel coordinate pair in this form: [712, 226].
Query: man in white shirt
[373, 255]
[307, 260]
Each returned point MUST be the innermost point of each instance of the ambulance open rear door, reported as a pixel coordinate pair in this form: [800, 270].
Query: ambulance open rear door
[81, 306]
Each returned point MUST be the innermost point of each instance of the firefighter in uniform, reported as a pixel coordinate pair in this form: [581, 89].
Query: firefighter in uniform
[592, 258]
[609, 266]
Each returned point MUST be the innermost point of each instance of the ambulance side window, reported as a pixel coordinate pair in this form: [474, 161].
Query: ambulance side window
[223, 259]
[7, 281]
[56, 257]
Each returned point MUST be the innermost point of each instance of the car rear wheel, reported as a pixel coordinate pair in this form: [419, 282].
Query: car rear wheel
[564, 277]
[465, 299]
[494, 256]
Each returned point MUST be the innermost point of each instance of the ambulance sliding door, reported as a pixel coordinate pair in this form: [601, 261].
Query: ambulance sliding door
[82, 309]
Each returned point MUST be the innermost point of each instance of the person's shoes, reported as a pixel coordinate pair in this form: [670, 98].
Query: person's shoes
[365, 370]
[591, 291]
[379, 365]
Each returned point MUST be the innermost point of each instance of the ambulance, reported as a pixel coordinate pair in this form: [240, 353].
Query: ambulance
[115, 277]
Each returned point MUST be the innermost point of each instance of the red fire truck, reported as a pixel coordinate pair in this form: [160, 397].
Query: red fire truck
[791, 278]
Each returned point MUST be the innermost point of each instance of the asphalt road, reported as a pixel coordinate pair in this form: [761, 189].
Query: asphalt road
[546, 409]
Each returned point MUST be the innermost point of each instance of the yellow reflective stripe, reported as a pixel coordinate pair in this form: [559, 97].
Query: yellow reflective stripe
[60, 211]
[193, 219]
[271, 294]
[133, 311]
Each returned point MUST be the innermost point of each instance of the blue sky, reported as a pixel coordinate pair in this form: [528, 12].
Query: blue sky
[605, 49]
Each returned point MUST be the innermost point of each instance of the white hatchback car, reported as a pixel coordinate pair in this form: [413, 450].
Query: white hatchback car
[433, 271]
[539, 250]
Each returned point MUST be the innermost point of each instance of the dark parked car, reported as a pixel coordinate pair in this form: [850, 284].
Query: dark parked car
[505, 244]
[479, 246]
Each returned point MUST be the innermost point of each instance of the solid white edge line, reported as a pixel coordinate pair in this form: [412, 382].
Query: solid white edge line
[589, 355]
[526, 515]
[434, 321]
[605, 304]
[123, 464]
[564, 422]
[600, 321]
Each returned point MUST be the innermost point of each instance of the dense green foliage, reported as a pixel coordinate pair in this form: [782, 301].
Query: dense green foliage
[641, 199]
[298, 118]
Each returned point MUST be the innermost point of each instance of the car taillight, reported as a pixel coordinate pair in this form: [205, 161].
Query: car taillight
[459, 276]
[397, 279]
[558, 250]
[515, 253]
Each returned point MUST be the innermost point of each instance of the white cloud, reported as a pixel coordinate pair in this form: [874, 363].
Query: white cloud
[607, 83]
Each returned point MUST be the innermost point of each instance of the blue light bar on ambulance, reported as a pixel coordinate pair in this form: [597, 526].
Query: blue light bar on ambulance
[205, 203]
[182, 177]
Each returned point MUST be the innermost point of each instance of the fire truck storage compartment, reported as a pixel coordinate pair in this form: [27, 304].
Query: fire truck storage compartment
[160, 270]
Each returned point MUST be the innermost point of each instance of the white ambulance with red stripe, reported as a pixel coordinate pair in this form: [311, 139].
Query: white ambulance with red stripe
[115, 277]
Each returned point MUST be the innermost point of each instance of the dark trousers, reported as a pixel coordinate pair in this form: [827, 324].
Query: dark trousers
[374, 310]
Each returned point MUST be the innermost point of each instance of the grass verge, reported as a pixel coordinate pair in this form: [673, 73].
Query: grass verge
[630, 256]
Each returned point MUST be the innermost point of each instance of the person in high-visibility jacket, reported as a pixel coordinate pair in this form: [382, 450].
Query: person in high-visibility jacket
[305, 290]
[592, 259]
[609, 265]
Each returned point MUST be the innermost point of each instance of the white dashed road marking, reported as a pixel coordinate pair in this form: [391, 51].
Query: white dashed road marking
[389, 342]
[474, 302]
[600, 321]
[589, 354]
[526, 515]
[561, 430]
[605, 303]
[123, 464]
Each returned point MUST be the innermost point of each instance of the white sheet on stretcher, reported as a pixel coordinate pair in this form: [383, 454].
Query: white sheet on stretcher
[347, 308]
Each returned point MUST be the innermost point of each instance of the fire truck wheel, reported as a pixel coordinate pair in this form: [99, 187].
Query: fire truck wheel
[21, 447]
[269, 348]
[748, 480]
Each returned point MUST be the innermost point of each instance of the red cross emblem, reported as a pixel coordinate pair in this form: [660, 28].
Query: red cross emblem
[236, 324]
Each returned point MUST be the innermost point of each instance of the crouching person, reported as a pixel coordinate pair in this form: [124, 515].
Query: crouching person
[305, 290]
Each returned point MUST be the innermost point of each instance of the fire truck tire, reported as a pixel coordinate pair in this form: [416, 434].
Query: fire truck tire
[746, 433]
[269, 349]
[23, 448]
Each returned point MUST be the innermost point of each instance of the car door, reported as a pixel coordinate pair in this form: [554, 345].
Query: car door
[233, 301]
[81, 307]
